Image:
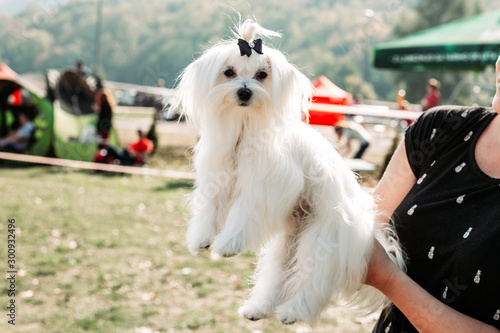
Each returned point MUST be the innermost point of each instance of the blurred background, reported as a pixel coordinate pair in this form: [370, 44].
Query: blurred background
[139, 43]
[105, 251]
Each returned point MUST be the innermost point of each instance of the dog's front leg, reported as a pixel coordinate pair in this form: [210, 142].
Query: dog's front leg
[202, 226]
[236, 234]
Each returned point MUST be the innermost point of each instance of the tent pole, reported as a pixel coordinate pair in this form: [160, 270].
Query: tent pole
[97, 45]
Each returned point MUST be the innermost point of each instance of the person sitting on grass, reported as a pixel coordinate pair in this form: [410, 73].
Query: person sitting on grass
[138, 152]
[18, 140]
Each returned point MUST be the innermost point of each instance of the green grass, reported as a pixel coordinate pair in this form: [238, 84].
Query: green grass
[106, 253]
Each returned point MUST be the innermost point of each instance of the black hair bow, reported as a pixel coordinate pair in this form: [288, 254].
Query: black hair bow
[245, 48]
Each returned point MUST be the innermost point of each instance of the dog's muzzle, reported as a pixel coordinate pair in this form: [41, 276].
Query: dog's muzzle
[244, 95]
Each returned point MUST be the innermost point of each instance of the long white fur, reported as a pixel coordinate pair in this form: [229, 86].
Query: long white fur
[267, 181]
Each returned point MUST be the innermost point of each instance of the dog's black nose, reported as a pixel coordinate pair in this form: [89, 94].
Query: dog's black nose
[244, 94]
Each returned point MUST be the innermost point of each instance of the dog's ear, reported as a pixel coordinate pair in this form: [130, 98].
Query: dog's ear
[196, 81]
[291, 89]
[186, 89]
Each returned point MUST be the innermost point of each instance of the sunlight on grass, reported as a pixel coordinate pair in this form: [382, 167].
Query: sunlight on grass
[106, 253]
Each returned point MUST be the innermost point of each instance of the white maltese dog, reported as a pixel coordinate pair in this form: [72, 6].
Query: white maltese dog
[266, 180]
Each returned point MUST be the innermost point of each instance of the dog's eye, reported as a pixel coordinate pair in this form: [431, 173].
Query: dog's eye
[261, 75]
[229, 73]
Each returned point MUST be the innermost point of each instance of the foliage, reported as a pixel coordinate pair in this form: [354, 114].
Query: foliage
[142, 42]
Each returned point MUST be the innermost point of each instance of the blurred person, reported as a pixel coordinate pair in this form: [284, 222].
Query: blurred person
[139, 151]
[159, 100]
[104, 103]
[358, 99]
[160, 83]
[433, 96]
[401, 100]
[351, 130]
[81, 68]
[403, 104]
[18, 140]
[441, 192]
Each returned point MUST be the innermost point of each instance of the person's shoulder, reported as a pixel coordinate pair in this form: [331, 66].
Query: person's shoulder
[435, 131]
[454, 114]
[444, 111]
[447, 123]
[28, 126]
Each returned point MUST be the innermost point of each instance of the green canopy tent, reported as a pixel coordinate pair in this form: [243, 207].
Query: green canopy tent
[60, 103]
[18, 95]
[74, 119]
[466, 44]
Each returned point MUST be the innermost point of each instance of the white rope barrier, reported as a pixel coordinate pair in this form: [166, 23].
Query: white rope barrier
[366, 110]
[363, 110]
[98, 166]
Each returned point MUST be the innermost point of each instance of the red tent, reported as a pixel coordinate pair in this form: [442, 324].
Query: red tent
[6, 73]
[326, 92]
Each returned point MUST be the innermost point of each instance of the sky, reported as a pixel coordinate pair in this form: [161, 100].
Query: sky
[11, 7]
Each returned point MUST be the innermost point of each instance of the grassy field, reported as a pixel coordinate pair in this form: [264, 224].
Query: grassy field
[106, 253]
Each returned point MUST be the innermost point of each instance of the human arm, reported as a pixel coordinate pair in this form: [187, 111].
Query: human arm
[425, 312]
[395, 184]
[11, 138]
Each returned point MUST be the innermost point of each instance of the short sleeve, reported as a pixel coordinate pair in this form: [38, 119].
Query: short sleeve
[25, 131]
[435, 131]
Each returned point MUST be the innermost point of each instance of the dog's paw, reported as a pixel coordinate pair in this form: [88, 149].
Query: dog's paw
[194, 248]
[226, 249]
[286, 315]
[255, 311]
[203, 247]
[288, 321]
[224, 253]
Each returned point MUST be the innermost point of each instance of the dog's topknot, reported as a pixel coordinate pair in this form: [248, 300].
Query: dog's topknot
[249, 29]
